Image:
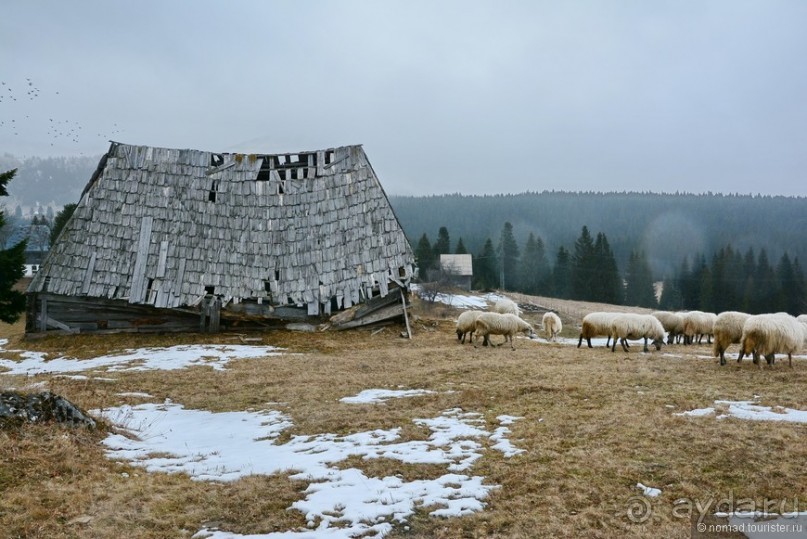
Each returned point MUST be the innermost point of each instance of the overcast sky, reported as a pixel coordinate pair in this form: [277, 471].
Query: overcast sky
[471, 97]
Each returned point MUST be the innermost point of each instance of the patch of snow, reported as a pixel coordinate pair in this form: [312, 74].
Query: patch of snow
[142, 359]
[135, 394]
[499, 436]
[749, 410]
[596, 342]
[345, 503]
[372, 396]
[649, 491]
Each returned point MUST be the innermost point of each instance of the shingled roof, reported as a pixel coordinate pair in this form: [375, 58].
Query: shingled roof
[166, 227]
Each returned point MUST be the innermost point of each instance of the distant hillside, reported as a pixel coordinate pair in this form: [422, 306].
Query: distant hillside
[666, 226]
[48, 181]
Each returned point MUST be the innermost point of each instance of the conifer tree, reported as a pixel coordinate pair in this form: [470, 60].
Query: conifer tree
[443, 244]
[12, 267]
[639, 289]
[584, 267]
[424, 255]
[608, 288]
[562, 275]
[787, 293]
[533, 267]
[486, 267]
[508, 258]
[460, 249]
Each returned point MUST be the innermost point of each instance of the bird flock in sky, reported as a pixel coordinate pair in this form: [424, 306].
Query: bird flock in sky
[17, 115]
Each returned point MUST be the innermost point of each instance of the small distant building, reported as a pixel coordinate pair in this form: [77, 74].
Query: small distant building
[458, 269]
[33, 260]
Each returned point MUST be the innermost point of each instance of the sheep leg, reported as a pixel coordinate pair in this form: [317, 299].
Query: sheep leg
[510, 338]
[646, 349]
[624, 343]
[722, 357]
[770, 359]
[790, 360]
[607, 342]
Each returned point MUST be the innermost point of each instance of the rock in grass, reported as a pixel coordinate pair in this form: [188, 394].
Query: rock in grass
[17, 408]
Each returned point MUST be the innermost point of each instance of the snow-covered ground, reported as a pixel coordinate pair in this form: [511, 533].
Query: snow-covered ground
[463, 301]
[142, 359]
[748, 410]
[338, 502]
[373, 396]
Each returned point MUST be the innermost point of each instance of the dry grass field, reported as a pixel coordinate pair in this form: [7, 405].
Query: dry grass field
[595, 423]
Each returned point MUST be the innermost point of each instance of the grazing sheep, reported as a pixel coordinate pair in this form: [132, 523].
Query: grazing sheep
[596, 325]
[769, 334]
[552, 325]
[697, 324]
[505, 306]
[728, 329]
[466, 324]
[501, 324]
[632, 326]
[673, 324]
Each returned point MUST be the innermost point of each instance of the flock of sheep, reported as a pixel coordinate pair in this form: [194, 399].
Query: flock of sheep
[763, 335]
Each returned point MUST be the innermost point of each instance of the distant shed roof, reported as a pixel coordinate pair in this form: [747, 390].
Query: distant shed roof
[164, 227]
[460, 265]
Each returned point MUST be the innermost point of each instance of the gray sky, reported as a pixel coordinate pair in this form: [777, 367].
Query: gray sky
[471, 97]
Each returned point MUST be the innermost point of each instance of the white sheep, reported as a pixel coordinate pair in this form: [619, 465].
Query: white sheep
[769, 334]
[501, 324]
[505, 306]
[596, 325]
[552, 325]
[697, 324]
[728, 329]
[466, 324]
[625, 326]
[803, 319]
[673, 324]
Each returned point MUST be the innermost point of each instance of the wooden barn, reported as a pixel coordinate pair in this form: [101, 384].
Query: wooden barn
[178, 240]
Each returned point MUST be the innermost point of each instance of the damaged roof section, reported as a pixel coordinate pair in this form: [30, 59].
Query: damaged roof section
[167, 228]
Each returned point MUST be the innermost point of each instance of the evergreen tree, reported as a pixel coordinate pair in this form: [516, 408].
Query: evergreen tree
[707, 297]
[765, 286]
[562, 285]
[424, 256]
[508, 253]
[486, 272]
[748, 282]
[584, 267]
[533, 267]
[639, 289]
[671, 299]
[443, 244]
[799, 287]
[460, 250]
[789, 298]
[12, 267]
[60, 220]
[609, 287]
